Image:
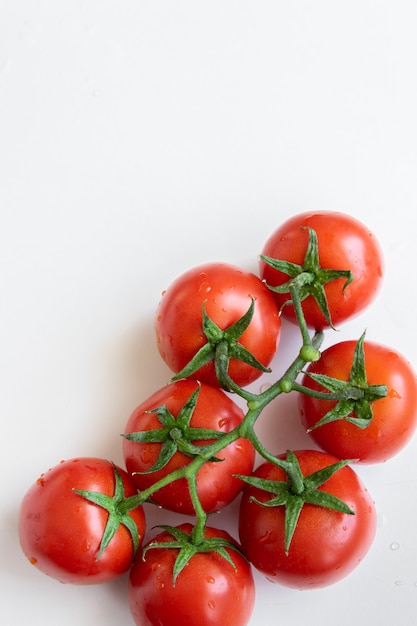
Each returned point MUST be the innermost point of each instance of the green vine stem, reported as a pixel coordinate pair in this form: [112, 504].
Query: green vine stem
[308, 351]
[200, 514]
[223, 345]
[256, 403]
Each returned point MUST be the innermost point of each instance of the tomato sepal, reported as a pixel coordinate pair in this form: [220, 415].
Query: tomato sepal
[298, 490]
[355, 396]
[222, 346]
[176, 434]
[188, 547]
[308, 279]
[116, 516]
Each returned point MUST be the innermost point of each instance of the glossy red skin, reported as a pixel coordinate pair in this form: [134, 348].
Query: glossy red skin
[326, 545]
[394, 417]
[215, 483]
[226, 291]
[60, 531]
[208, 591]
[344, 244]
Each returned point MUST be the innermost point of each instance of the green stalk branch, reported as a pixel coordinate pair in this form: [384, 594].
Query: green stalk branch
[307, 352]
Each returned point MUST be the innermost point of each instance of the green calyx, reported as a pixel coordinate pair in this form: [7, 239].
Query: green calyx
[176, 434]
[112, 504]
[298, 490]
[188, 547]
[308, 279]
[221, 346]
[355, 396]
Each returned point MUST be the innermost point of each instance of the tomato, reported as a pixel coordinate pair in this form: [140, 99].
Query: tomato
[326, 545]
[60, 531]
[344, 243]
[207, 592]
[226, 292]
[213, 410]
[394, 417]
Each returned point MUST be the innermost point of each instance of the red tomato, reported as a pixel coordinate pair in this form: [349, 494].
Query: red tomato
[207, 592]
[394, 417]
[326, 546]
[344, 244]
[226, 292]
[60, 531]
[215, 482]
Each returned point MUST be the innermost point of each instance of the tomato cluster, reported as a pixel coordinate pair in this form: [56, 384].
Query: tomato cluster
[306, 520]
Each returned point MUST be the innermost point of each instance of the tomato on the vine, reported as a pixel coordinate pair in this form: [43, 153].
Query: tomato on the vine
[389, 422]
[208, 591]
[61, 532]
[186, 415]
[226, 293]
[326, 545]
[344, 244]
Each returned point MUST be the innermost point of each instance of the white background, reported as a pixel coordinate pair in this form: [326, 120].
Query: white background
[140, 138]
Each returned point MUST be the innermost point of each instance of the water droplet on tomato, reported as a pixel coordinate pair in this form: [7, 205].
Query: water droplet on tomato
[211, 580]
[32, 560]
[222, 422]
[212, 605]
[146, 457]
[204, 288]
[267, 537]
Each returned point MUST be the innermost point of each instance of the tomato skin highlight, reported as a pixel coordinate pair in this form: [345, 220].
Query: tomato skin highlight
[60, 531]
[344, 244]
[216, 485]
[326, 546]
[394, 419]
[207, 592]
[226, 292]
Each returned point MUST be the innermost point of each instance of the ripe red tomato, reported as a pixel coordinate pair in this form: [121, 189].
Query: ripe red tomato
[60, 531]
[226, 292]
[214, 410]
[326, 546]
[394, 418]
[207, 592]
[344, 243]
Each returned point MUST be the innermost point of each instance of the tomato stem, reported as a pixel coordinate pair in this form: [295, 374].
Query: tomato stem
[201, 515]
[223, 345]
[255, 403]
[287, 382]
[308, 352]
